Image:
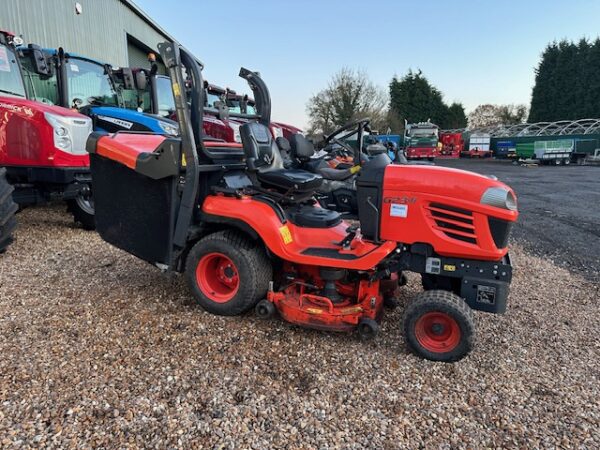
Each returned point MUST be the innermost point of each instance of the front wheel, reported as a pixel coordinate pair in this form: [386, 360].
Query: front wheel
[439, 326]
[228, 273]
[8, 209]
[82, 208]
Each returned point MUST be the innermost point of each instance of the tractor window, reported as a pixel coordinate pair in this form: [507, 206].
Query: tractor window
[235, 106]
[39, 88]
[164, 94]
[10, 77]
[211, 98]
[89, 82]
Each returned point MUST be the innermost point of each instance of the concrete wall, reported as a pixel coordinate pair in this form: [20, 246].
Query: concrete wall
[99, 32]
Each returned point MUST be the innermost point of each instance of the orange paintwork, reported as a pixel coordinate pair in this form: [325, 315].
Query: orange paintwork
[289, 241]
[125, 148]
[417, 187]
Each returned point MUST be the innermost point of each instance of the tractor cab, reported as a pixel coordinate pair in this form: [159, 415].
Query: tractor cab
[87, 86]
[11, 80]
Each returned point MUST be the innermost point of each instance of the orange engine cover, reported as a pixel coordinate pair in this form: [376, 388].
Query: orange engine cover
[442, 207]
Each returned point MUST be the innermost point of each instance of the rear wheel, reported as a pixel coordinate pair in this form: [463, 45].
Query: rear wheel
[8, 209]
[439, 326]
[82, 208]
[228, 273]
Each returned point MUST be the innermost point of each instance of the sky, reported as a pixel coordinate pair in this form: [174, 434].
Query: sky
[474, 52]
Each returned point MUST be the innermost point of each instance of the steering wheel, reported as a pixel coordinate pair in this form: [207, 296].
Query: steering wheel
[338, 136]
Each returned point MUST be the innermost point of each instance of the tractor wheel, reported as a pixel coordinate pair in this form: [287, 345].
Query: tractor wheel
[439, 326]
[228, 273]
[8, 209]
[82, 209]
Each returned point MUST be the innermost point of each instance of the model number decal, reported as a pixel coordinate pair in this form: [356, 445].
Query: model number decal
[121, 123]
[404, 199]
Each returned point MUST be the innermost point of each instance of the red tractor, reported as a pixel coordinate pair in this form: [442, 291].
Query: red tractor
[248, 233]
[42, 146]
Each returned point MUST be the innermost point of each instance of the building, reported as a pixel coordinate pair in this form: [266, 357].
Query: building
[114, 31]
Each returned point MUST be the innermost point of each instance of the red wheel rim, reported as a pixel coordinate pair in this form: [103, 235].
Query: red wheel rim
[437, 332]
[217, 277]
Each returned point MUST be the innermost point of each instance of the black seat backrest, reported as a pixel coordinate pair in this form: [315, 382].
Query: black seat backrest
[260, 148]
[302, 148]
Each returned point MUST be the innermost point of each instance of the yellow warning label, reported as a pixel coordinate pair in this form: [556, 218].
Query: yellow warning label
[449, 267]
[176, 89]
[286, 235]
[183, 161]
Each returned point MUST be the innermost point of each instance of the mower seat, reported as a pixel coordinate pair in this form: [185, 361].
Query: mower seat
[303, 150]
[264, 160]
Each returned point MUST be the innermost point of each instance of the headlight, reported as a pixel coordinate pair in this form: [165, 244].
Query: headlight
[168, 128]
[62, 136]
[500, 198]
[237, 137]
[277, 132]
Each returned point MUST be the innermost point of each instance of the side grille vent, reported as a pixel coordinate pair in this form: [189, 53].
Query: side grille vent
[456, 223]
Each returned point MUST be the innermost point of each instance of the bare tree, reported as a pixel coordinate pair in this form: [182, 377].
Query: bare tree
[350, 95]
[490, 115]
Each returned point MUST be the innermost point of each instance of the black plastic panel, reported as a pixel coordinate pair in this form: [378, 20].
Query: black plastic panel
[134, 212]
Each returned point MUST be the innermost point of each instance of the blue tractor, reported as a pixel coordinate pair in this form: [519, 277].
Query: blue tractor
[90, 87]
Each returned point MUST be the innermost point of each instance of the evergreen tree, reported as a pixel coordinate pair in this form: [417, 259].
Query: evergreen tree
[592, 91]
[456, 117]
[414, 99]
[542, 98]
[567, 82]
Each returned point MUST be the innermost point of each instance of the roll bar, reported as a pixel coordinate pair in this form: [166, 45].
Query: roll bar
[262, 98]
[190, 129]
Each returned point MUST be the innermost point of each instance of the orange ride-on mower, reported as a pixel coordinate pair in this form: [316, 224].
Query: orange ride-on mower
[248, 233]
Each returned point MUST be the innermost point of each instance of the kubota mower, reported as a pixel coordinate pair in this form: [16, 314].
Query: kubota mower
[248, 233]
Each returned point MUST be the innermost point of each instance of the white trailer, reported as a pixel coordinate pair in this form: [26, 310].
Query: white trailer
[554, 152]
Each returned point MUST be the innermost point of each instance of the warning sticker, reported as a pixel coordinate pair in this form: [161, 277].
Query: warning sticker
[286, 235]
[398, 210]
[4, 62]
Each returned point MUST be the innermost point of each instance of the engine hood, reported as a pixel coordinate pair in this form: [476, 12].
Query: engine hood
[440, 181]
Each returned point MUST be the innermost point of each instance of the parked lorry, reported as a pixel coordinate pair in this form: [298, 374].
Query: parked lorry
[479, 146]
[421, 140]
[42, 144]
[452, 144]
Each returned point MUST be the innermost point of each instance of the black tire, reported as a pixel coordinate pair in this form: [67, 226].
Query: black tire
[8, 209]
[439, 326]
[249, 267]
[368, 329]
[265, 309]
[83, 212]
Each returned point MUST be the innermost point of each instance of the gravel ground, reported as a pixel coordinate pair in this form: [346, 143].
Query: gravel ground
[101, 350]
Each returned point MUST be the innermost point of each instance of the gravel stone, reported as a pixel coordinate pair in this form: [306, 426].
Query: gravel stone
[100, 349]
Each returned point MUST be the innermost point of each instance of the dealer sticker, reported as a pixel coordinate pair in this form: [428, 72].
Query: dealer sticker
[398, 210]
